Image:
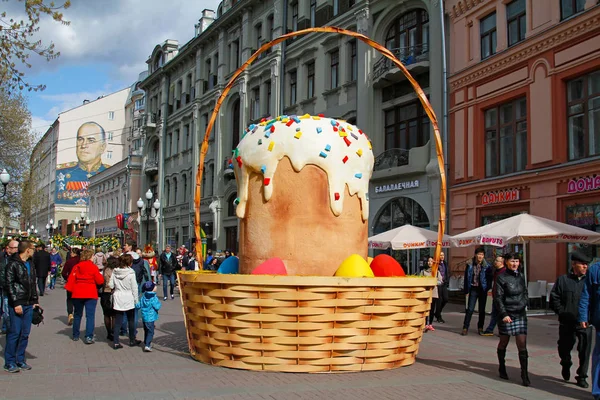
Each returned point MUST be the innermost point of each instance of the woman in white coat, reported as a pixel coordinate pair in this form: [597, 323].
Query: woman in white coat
[125, 297]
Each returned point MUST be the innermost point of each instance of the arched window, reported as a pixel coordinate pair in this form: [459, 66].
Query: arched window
[230, 205]
[174, 191]
[167, 193]
[409, 34]
[155, 151]
[235, 134]
[185, 187]
[158, 61]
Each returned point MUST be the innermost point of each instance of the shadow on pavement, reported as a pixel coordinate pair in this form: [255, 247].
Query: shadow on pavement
[171, 338]
[546, 383]
[28, 356]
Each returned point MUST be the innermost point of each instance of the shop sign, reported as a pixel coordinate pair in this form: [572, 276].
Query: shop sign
[397, 186]
[501, 196]
[106, 229]
[585, 184]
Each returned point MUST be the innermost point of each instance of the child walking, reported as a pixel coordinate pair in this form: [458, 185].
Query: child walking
[149, 306]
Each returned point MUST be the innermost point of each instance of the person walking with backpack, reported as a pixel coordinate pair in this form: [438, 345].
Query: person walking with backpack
[149, 306]
[55, 263]
[20, 286]
[83, 284]
[99, 260]
[41, 261]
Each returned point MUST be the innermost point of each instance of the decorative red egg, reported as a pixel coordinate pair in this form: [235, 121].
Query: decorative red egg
[273, 266]
[384, 265]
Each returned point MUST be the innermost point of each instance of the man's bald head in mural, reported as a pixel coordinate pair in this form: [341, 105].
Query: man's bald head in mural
[91, 143]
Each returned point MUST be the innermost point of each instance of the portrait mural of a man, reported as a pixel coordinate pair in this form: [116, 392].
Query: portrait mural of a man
[73, 178]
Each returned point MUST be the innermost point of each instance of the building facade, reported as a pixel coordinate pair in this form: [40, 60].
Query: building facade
[116, 190]
[81, 143]
[318, 73]
[525, 119]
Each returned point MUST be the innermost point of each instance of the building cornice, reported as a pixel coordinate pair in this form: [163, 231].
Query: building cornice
[530, 48]
[464, 6]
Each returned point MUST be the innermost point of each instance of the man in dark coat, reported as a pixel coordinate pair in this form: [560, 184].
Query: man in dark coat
[41, 260]
[11, 248]
[564, 299]
[22, 299]
[167, 265]
[478, 282]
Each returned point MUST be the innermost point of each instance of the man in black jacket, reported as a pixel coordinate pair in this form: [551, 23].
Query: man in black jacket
[167, 265]
[41, 260]
[11, 248]
[22, 298]
[565, 302]
[442, 299]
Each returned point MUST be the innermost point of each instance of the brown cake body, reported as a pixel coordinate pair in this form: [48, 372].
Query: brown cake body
[297, 224]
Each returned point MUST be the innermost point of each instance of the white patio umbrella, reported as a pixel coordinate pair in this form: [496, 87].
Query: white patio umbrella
[524, 228]
[407, 237]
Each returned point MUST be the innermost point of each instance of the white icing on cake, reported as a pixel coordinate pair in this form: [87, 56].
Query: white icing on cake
[306, 140]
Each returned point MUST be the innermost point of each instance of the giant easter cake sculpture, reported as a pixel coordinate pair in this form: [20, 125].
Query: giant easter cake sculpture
[303, 196]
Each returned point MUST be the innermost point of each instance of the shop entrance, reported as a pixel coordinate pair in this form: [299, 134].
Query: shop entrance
[394, 214]
[587, 217]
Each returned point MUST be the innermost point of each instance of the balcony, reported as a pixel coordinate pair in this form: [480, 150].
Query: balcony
[390, 159]
[414, 58]
[151, 167]
[394, 162]
[150, 120]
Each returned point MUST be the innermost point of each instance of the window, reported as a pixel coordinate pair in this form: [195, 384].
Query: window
[111, 115]
[140, 103]
[294, 16]
[487, 27]
[293, 83]
[231, 205]
[169, 144]
[236, 54]
[334, 57]
[174, 190]
[270, 30]
[506, 138]
[185, 186]
[583, 102]
[570, 7]
[168, 192]
[353, 61]
[258, 31]
[235, 134]
[109, 155]
[310, 82]
[351, 3]
[313, 13]
[171, 237]
[406, 126]
[109, 136]
[186, 130]
[336, 7]
[408, 36]
[136, 144]
[176, 148]
[268, 87]
[516, 22]
[255, 104]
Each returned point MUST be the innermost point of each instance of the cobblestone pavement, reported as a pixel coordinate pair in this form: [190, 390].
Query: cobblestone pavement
[449, 366]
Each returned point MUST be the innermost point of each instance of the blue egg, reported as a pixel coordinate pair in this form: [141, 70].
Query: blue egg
[230, 265]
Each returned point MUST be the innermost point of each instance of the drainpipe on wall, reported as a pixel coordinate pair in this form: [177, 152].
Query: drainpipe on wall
[160, 219]
[282, 66]
[445, 106]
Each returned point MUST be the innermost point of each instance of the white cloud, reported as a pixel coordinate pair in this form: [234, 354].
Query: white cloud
[120, 32]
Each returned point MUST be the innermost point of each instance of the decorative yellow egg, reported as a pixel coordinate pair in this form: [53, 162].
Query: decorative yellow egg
[354, 267]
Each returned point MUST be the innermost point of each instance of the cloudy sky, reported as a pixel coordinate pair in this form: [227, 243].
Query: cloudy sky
[103, 49]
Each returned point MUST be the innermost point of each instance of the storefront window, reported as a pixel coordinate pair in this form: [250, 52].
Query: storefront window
[586, 217]
[396, 213]
[171, 237]
[583, 108]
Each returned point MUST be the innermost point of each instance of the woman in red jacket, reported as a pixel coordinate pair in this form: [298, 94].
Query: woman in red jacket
[83, 284]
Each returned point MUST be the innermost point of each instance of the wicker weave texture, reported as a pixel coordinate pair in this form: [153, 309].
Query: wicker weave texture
[304, 324]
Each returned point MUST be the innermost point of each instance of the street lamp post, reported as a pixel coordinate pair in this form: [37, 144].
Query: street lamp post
[50, 228]
[148, 209]
[82, 224]
[4, 178]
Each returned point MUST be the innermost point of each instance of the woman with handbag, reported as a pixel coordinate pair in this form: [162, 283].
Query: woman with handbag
[125, 297]
[106, 297]
[83, 284]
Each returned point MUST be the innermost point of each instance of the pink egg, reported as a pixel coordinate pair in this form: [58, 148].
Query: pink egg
[384, 265]
[273, 266]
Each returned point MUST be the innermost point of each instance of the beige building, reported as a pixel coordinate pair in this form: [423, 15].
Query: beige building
[318, 73]
[525, 120]
[81, 143]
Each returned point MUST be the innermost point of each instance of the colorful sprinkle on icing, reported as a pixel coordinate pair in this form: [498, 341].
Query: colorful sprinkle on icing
[263, 169]
[267, 134]
[333, 122]
[272, 129]
[297, 135]
[271, 145]
[323, 154]
[236, 201]
[289, 123]
[259, 142]
[336, 196]
[316, 118]
[359, 152]
[266, 181]
[345, 159]
[358, 175]
[348, 142]
[328, 147]
[354, 136]
[319, 129]
[239, 161]
[370, 145]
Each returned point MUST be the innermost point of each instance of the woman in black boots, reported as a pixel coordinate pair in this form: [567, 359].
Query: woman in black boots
[511, 302]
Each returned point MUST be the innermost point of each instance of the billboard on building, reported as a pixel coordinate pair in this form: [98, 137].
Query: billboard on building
[91, 139]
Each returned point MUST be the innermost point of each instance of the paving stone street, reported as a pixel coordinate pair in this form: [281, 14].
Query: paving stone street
[449, 366]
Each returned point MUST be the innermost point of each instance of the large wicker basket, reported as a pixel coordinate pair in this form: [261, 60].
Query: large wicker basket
[304, 323]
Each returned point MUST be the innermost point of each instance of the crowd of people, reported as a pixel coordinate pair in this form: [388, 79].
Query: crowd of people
[125, 281]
